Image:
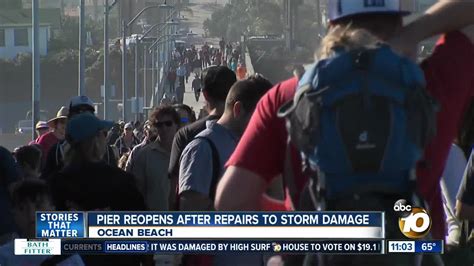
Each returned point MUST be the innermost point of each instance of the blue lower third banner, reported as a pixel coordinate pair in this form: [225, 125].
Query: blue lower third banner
[429, 246]
[210, 225]
[236, 225]
[60, 225]
[218, 246]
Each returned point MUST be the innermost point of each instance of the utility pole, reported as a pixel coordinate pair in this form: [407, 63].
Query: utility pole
[36, 88]
[107, 9]
[288, 23]
[82, 40]
[124, 70]
[158, 74]
[137, 115]
[106, 58]
[145, 71]
[153, 56]
[96, 9]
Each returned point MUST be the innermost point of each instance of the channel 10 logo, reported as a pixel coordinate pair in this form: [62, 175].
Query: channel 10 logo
[414, 222]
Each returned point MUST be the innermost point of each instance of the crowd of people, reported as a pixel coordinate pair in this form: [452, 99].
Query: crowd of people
[190, 62]
[239, 157]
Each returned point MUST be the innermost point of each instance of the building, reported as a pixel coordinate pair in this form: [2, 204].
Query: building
[16, 30]
[17, 38]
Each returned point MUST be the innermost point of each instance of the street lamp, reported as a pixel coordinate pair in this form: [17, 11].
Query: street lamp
[138, 40]
[156, 46]
[125, 26]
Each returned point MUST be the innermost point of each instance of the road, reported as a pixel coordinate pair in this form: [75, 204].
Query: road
[201, 10]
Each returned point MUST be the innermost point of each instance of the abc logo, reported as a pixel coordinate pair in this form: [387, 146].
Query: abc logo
[414, 222]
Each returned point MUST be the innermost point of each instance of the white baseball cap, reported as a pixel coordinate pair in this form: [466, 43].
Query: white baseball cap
[343, 8]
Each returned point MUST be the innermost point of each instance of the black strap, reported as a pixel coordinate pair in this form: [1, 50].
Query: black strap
[465, 233]
[288, 177]
[216, 167]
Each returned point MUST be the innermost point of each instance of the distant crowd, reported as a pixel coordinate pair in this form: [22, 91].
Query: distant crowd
[190, 62]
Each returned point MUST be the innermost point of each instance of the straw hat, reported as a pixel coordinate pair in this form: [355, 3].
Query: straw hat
[62, 114]
[41, 125]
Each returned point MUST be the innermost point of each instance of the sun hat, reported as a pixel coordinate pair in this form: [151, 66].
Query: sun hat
[41, 125]
[61, 114]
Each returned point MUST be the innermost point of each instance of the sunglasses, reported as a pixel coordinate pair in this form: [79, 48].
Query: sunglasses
[184, 120]
[168, 123]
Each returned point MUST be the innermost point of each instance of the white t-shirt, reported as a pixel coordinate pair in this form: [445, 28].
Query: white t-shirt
[8, 258]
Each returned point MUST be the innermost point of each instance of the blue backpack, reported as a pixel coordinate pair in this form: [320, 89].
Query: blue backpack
[360, 120]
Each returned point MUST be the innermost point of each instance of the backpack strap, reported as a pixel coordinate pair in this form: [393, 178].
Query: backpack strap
[288, 176]
[216, 167]
[311, 198]
[59, 152]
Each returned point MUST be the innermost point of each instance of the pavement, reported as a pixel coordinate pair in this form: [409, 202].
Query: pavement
[194, 19]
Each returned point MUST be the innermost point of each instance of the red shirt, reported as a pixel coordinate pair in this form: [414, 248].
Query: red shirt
[449, 74]
[47, 141]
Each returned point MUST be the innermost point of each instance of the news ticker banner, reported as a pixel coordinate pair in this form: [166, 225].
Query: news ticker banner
[211, 225]
[91, 247]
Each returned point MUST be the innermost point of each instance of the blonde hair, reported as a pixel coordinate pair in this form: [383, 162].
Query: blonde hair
[346, 38]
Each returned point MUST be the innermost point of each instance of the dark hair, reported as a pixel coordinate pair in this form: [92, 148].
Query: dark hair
[80, 109]
[465, 139]
[188, 110]
[217, 81]
[29, 189]
[383, 26]
[28, 155]
[9, 171]
[165, 110]
[248, 91]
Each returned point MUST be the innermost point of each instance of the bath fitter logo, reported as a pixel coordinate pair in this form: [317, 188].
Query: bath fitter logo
[38, 247]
